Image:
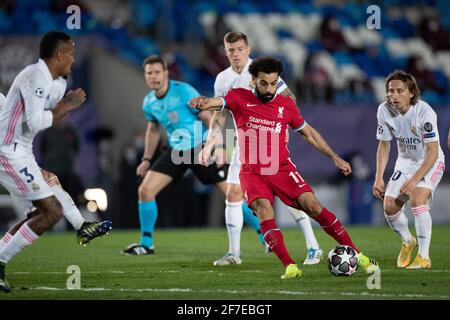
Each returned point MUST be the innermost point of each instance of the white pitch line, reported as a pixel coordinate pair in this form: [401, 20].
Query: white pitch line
[302, 293]
[203, 271]
[134, 272]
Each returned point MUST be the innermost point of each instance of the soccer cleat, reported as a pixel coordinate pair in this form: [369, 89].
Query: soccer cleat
[420, 263]
[292, 271]
[137, 250]
[4, 286]
[314, 256]
[227, 260]
[368, 264]
[404, 257]
[92, 230]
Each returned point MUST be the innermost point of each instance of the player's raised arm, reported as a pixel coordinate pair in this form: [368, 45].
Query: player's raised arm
[204, 103]
[73, 100]
[313, 137]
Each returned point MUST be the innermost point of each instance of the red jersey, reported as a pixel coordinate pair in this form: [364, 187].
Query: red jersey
[262, 129]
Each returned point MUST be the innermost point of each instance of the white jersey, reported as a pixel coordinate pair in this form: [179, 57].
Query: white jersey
[27, 107]
[230, 79]
[412, 131]
[2, 100]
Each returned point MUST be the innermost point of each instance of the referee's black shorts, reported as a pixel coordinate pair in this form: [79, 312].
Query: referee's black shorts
[175, 163]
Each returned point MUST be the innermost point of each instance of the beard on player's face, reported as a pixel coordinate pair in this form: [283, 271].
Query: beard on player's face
[264, 97]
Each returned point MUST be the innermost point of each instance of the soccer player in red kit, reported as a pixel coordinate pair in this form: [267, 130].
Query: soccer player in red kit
[262, 118]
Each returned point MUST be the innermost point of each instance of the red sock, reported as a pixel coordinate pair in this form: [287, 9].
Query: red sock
[331, 225]
[275, 240]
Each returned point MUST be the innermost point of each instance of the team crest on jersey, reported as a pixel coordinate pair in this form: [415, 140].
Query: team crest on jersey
[280, 112]
[35, 186]
[40, 93]
[414, 131]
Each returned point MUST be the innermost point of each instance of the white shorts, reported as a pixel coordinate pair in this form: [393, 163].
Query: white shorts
[399, 178]
[22, 177]
[235, 167]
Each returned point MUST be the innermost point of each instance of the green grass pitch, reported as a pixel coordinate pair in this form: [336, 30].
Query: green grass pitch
[182, 268]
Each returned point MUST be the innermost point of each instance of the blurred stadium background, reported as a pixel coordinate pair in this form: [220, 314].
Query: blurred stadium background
[334, 64]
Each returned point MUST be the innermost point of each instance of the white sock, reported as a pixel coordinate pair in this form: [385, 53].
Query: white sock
[399, 223]
[70, 210]
[234, 220]
[5, 240]
[423, 223]
[303, 221]
[23, 237]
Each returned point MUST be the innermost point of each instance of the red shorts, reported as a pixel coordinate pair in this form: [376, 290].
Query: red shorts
[287, 184]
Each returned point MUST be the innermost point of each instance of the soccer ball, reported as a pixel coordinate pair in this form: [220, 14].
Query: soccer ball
[342, 261]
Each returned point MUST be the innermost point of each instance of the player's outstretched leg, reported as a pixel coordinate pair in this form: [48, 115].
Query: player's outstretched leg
[314, 254]
[85, 231]
[331, 225]
[92, 230]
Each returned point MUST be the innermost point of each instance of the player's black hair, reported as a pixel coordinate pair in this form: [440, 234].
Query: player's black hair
[154, 58]
[50, 42]
[265, 64]
[408, 79]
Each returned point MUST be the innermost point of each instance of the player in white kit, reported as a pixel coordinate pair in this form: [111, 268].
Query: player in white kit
[237, 75]
[34, 102]
[85, 231]
[419, 167]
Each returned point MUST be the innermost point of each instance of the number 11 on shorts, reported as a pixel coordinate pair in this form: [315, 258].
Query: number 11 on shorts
[297, 178]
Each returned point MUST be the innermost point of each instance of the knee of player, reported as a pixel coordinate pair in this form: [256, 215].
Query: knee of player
[390, 208]
[234, 194]
[53, 211]
[262, 208]
[418, 202]
[145, 193]
[315, 209]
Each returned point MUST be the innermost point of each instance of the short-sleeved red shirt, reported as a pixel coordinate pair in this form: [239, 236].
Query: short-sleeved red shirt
[262, 128]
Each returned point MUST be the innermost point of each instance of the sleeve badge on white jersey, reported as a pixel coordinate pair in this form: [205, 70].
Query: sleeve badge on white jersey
[428, 127]
[380, 129]
[40, 93]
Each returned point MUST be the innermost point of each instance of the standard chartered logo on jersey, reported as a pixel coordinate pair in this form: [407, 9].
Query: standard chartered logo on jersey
[260, 141]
